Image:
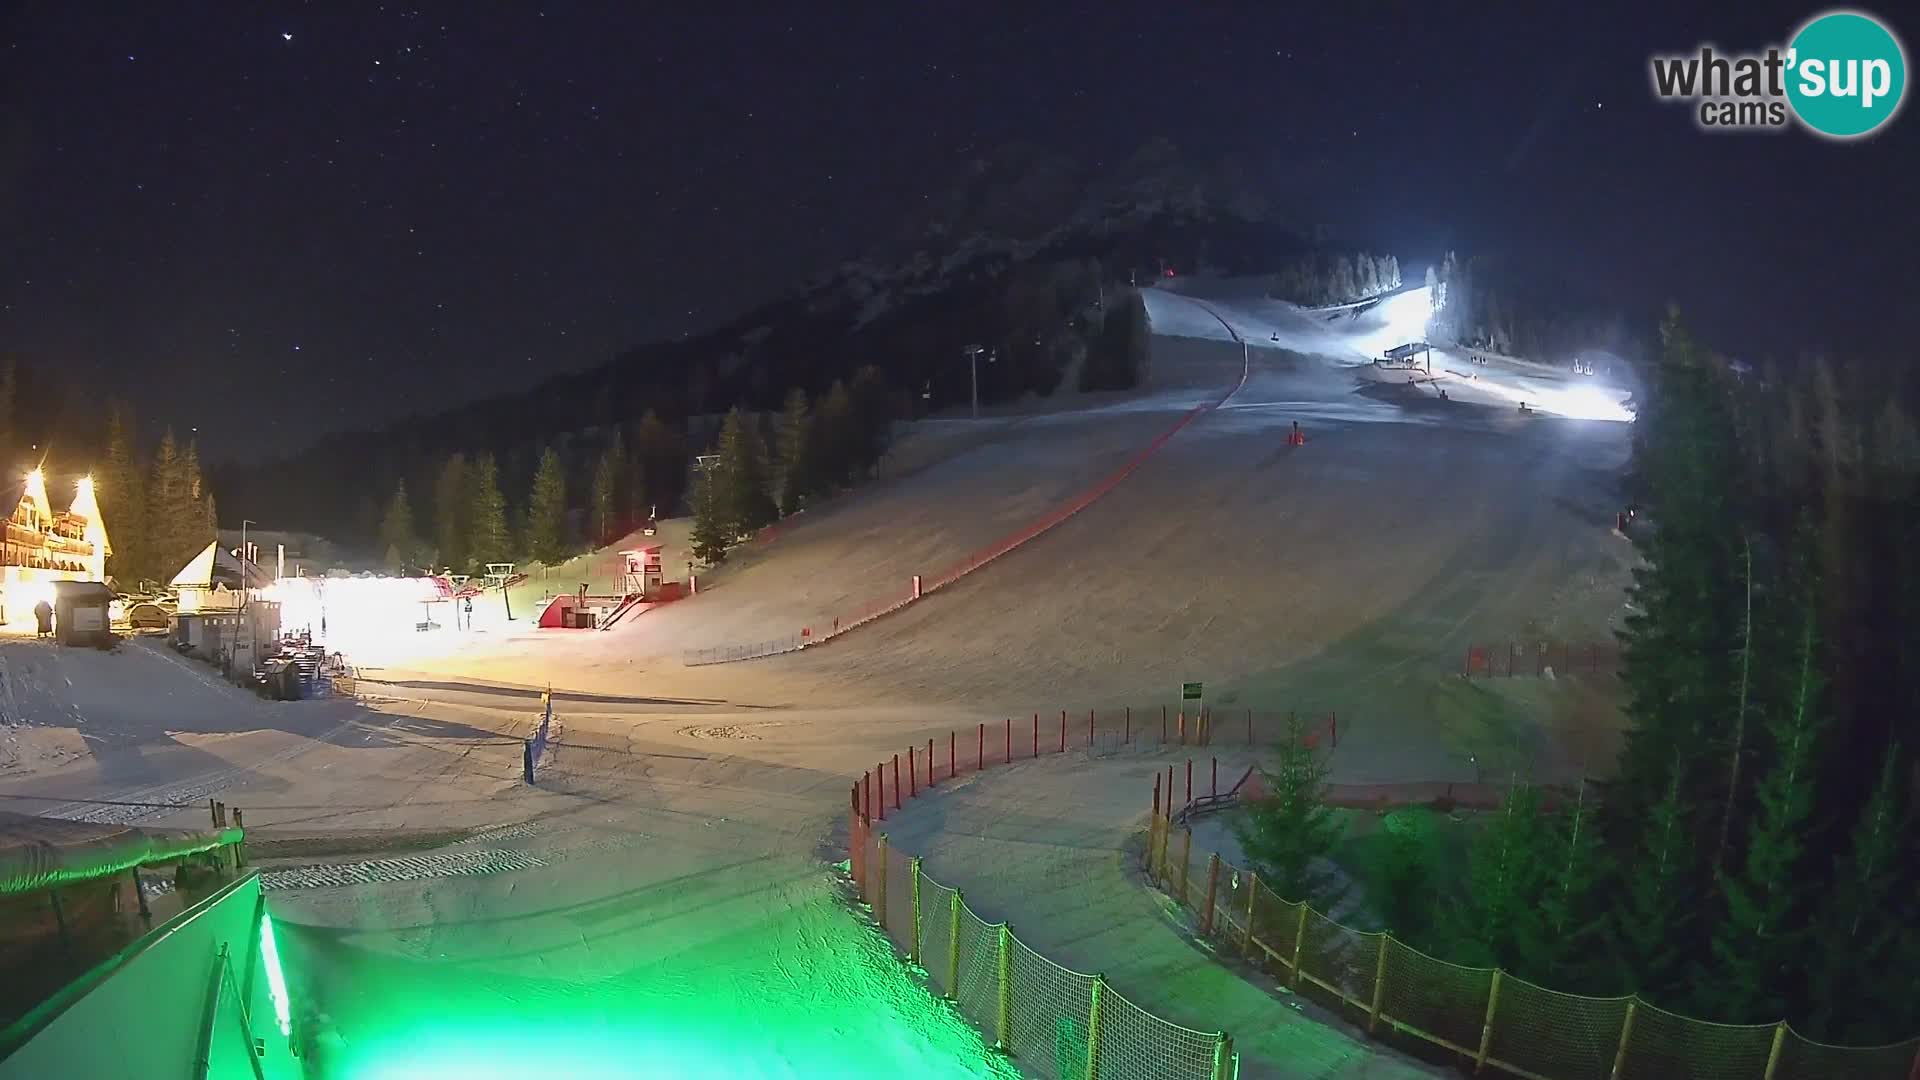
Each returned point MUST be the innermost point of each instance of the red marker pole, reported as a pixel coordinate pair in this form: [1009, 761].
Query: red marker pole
[896, 781]
[1089, 729]
[1063, 731]
[930, 763]
[880, 774]
[1036, 734]
[1009, 758]
[953, 758]
[980, 752]
[1129, 733]
[913, 782]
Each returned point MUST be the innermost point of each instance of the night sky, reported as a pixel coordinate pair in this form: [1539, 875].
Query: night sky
[271, 222]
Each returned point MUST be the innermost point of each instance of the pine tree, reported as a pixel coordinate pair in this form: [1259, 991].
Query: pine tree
[662, 455]
[1759, 944]
[610, 510]
[834, 438]
[1401, 877]
[1861, 921]
[1508, 869]
[872, 419]
[1284, 832]
[742, 476]
[1679, 649]
[712, 532]
[397, 534]
[546, 527]
[796, 481]
[1651, 925]
[453, 514]
[1570, 912]
[122, 494]
[489, 539]
[170, 512]
[201, 526]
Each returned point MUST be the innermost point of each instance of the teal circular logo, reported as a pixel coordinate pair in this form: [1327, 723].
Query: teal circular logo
[1846, 74]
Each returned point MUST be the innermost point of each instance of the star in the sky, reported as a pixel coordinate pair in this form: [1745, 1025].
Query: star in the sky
[284, 36]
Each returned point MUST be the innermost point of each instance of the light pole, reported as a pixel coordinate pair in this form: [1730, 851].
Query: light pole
[244, 522]
[973, 366]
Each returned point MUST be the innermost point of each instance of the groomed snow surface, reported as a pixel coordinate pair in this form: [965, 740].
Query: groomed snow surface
[686, 922]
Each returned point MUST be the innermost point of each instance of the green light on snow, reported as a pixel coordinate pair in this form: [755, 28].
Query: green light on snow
[276, 979]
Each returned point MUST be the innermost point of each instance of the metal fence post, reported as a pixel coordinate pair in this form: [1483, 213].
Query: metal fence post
[953, 945]
[1379, 983]
[880, 883]
[913, 943]
[1486, 1026]
[1626, 1033]
[1003, 1028]
[1213, 885]
[1773, 1054]
[1223, 1057]
[1093, 1027]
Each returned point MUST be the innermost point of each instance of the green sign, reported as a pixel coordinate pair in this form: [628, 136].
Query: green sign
[1189, 691]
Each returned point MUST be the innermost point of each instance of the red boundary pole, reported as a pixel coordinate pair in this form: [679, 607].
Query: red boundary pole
[1036, 734]
[880, 774]
[1089, 729]
[953, 754]
[896, 781]
[1063, 731]
[913, 778]
[1009, 740]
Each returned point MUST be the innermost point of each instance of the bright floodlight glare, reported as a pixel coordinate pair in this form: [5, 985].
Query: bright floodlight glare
[1407, 314]
[276, 978]
[1588, 403]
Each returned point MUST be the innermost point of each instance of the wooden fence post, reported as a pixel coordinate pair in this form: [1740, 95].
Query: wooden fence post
[1093, 1027]
[880, 884]
[1379, 983]
[1223, 1057]
[953, 754]
[1486, 1026]
[1299, 942]
[896, 781]
[1003, 1028]
[913, 942]
[1166, 826]
[1773, 1053]
[1626, 1034]
[1186, 856]
[953, 946]
[1253, 893]
[880, 776]
[1213, 887]
[913, 776]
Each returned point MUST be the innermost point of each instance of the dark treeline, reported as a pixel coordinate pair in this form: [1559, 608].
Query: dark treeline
[1321, 278]
[1496, 304]
[1043, 321]
[1754, 858]
[158, 509]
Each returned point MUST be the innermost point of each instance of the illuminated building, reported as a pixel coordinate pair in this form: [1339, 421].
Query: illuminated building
[42, 547]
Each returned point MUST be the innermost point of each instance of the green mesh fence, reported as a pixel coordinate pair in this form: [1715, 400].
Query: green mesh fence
[1052, 1029]
[1443, 1001]
[936, 933]
[1549, 1033]
[1804, 1059]
[1663, 1045]
[1534, 1032]
[1136, 1045]
[1050, 1012]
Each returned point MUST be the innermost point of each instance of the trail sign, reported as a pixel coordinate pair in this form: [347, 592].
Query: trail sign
[1189, 691]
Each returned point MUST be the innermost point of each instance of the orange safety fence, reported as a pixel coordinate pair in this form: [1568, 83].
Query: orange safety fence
[1540, 659]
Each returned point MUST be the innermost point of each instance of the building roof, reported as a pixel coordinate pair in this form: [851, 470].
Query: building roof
[83, 590]
[214, 561]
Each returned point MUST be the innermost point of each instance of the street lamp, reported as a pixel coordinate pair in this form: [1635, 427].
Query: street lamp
[973, 366]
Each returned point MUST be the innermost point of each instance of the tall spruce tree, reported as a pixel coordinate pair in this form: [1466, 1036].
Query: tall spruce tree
[742, 476]
[712, 531]
[1866, 915]
[662, 463]
[609, 507]
[1571, 912]
[1679, 648]
[122, 494]
[1652, 922]
[1758, 944]
[397, 536]
[453, 514]
[546, 528]
[490, 540]
[796, 439]
[171, 512]
[1509, 867]
[1284, 832]
[834, 439]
